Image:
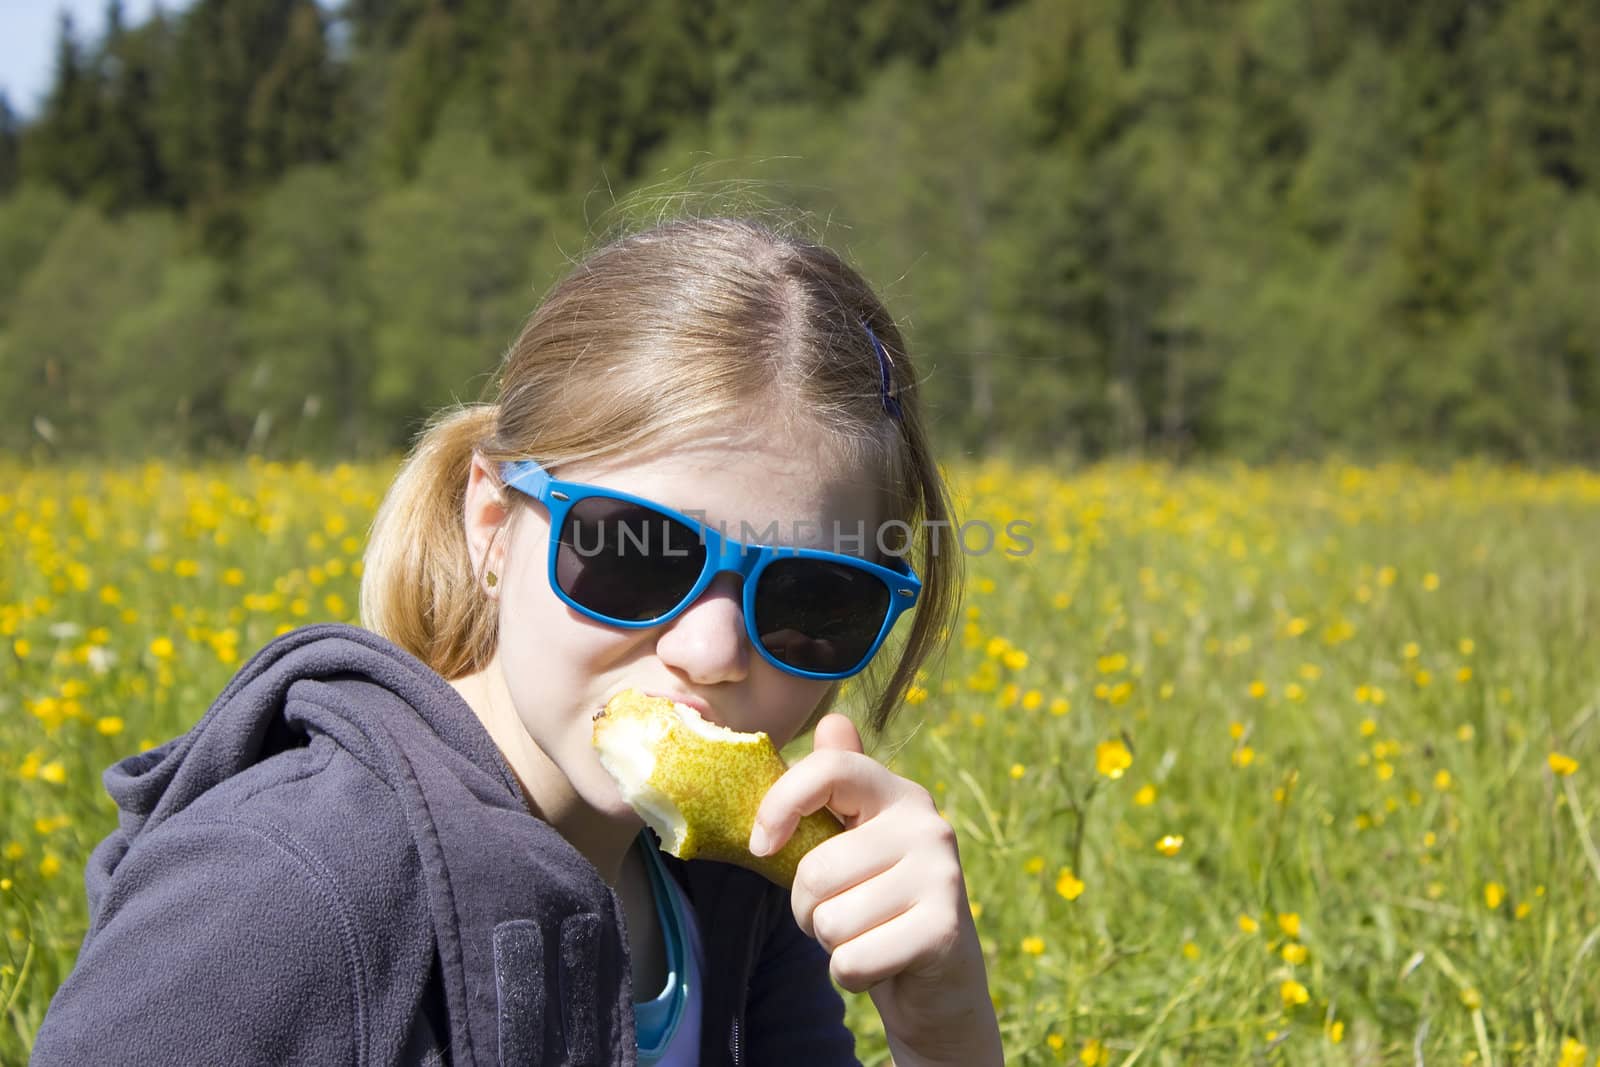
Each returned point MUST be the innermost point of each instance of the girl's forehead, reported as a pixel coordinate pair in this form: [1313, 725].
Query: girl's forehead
[754, 485]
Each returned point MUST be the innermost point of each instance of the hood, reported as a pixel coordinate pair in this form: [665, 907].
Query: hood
[247, 724]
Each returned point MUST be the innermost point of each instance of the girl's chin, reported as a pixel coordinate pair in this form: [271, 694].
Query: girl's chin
[606, 799]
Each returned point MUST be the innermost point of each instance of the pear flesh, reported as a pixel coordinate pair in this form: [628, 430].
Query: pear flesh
[697, 784]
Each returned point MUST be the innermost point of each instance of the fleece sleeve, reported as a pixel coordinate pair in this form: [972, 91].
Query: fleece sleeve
[793, 1013]
[218, 942]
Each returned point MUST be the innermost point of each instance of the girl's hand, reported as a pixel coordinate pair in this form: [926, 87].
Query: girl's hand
[886, 898]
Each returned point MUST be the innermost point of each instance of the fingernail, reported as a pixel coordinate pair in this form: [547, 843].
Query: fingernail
[759, 841]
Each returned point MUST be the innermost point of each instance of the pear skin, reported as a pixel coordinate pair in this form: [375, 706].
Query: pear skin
[697, 784]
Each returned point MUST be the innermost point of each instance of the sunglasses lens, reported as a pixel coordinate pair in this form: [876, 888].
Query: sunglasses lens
[626, 562]
[819, 616]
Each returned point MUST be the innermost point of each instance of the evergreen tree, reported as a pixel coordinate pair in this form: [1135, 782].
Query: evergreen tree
[62, 146]
[10, 168]
[128, 170]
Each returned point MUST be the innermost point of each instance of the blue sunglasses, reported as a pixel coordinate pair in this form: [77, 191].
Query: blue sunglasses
[629, 562]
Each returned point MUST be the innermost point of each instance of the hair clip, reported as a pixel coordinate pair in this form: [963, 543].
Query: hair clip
[890, 403]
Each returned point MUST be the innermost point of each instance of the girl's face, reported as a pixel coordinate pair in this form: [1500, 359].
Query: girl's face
[560, 667]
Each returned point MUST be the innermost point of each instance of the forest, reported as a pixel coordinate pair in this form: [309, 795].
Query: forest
[1177, 229]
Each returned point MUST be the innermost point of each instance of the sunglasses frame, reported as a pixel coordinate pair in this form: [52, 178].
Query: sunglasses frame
[722, 554]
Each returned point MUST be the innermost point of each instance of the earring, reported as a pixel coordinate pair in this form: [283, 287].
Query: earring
[491, 579]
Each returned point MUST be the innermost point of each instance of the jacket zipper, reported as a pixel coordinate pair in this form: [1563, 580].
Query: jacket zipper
[736, 1045]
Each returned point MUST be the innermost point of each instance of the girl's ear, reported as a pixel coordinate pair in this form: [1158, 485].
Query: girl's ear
[484, 513]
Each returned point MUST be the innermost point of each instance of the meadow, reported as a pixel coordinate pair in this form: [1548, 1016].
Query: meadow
[1291, 765]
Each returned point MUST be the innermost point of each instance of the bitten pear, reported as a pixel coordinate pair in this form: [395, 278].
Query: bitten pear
[697, 784]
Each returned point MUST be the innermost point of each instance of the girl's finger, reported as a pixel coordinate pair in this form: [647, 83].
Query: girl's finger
[853, 786]
[891, 947]
[847, 915]
[843, 862]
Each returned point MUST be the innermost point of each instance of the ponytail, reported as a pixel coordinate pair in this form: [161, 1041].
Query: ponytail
[417, 585]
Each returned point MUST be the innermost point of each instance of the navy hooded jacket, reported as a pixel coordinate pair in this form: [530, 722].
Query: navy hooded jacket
[336, 866]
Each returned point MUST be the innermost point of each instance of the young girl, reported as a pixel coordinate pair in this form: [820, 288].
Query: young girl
[396, 844]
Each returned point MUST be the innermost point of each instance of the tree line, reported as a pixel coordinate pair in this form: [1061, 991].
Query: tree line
[1186, 228]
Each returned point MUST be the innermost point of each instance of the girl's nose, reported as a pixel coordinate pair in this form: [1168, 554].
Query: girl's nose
[708, 642]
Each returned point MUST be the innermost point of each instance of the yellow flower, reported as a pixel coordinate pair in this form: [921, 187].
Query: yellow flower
[161, 648]
[1523, 908]
[1258, 689]
[1060, 706]
[1441, 781]
[1471, 998]
[1191, 951]
[1289, 922]
[49, 866]
[1430, 581]
[1015, 658]
[1236, 730]
[1493, 894]
[1336, 1031]
[1055, 1041]
[1562, 765]
[1018, 770]
[1467, 646]
[1034, 865]
[53, 772]
[1092, 1054]
[1033, 946]
[111, 725]
[1111, 758]
[1170, 844]
[1411, 651]
[1243, 756]
[21, 647]
[1465, 732]
[1294, 953]
[1068, 884]
[1293, 994]
[1146, 796]
[915, 695]
[1248, 925]
[1464, 674]
[1574, 1053]
[1368, 727]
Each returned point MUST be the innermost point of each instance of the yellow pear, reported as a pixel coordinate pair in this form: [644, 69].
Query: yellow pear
[698, 784]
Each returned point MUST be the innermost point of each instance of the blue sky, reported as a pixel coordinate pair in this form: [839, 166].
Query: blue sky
[28, 41]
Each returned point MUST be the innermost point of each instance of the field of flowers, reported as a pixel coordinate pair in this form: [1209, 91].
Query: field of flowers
[1287, 766]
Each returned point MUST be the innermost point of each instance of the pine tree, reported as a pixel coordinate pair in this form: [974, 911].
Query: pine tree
[10, 146]
[62, 146]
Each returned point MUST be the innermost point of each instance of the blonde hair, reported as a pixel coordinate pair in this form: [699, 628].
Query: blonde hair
[647, 342]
